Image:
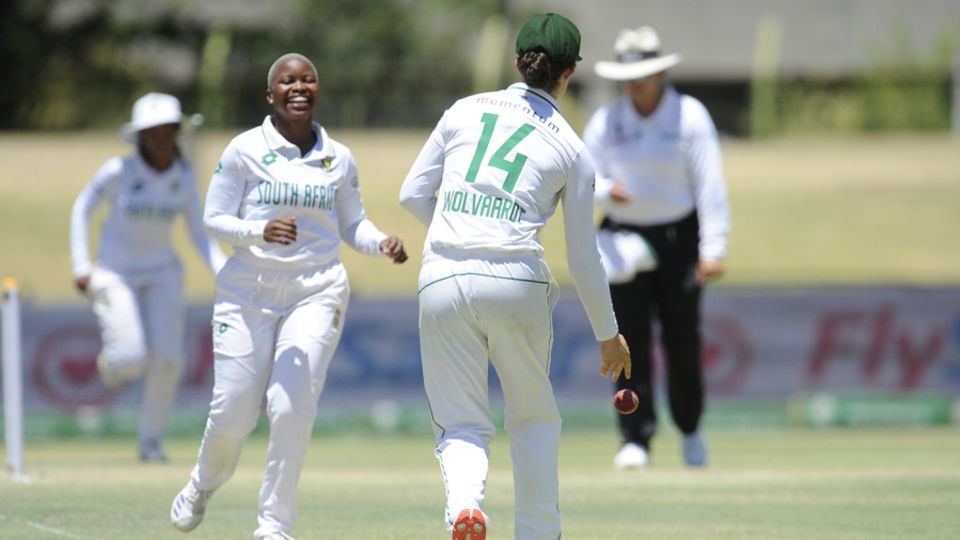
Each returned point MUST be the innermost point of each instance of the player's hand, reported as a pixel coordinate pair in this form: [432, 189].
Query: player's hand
[615, 358]
[392, 247]
[281, 231]
[708, 270]
[81, 283]
[619, 193]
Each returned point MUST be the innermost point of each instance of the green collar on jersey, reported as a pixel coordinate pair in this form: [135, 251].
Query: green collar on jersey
[542, 94]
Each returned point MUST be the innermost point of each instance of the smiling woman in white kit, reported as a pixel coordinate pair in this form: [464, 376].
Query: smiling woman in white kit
[284, 195]
[136, 282]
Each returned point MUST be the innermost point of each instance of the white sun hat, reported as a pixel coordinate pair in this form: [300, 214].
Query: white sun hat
[638, 56]
[151, 110]
[623, 254]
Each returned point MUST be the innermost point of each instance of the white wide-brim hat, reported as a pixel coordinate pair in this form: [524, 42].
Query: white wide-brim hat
[623, 254]
[151, 110]
[638, 56]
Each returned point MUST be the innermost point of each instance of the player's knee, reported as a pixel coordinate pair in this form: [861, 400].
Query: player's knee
[546, 415]
[125, 361]
[237, 424]
[233, 414]
[284, 410]
[128, 351]
[168, 364]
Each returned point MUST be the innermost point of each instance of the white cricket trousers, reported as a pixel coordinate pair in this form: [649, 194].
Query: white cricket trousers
[274, 334]
[496, 308]
[142, 318]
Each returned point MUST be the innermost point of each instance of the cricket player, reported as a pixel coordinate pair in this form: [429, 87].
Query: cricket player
[136, 282]
[485, 184]
[284, 195]
[660, 181]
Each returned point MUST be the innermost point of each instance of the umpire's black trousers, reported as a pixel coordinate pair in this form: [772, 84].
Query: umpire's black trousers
[672, 295]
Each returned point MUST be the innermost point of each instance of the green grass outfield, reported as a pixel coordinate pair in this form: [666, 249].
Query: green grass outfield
[798, 484]
[840, 210]
[851, 210]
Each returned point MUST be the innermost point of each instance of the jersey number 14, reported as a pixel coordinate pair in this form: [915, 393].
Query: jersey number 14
[499, 158]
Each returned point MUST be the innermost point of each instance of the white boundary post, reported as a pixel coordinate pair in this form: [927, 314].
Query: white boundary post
[12, 378]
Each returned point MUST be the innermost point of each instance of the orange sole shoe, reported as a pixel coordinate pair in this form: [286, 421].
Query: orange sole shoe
[470, 525]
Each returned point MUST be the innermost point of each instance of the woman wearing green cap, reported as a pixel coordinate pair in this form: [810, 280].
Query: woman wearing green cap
[485, 184]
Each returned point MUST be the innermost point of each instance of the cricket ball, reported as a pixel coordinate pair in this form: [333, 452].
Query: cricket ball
[626, 401]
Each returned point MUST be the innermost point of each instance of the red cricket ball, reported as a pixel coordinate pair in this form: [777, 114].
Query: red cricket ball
[626, 401]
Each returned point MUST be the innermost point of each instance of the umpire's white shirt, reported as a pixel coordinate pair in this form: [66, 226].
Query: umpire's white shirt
[485, 213]
[262, 176]
[669, 162]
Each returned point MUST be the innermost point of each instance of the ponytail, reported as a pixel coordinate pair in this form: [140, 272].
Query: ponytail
[538, 71]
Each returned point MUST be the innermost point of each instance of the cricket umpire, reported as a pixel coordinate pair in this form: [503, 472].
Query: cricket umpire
[660, 185]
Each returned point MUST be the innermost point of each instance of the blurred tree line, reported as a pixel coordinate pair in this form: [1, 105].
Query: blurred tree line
[81, 63]
[901, 90]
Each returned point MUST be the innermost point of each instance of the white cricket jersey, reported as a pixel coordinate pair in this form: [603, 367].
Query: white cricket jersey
[491, 175]
[135, 237]
[669, 162]
[262, 176]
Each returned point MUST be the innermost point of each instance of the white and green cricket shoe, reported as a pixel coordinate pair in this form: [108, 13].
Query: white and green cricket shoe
[188, 507]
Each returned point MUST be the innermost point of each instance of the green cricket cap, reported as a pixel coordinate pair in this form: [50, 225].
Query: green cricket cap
[553, 34]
